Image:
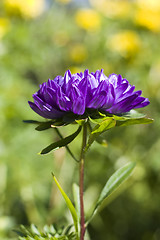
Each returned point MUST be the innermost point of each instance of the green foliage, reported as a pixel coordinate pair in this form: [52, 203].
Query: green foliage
[61, 143]
[112, 184]
[105, 123]
[69, 204]
[98, 129]
[48, 232]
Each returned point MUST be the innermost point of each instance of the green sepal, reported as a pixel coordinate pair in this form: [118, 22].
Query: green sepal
[131, 118]
[69, 204]
[112, 184]
[47, 124]
[101, 127]
[81, 121]
[133, 121]
[44, 125]
[61, 143]
[32, 121]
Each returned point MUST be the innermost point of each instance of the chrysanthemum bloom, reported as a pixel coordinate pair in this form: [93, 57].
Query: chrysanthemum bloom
[82, 93]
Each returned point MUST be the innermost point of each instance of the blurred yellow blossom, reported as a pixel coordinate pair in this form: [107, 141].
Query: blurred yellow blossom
[78, 53]
[150, 4]
[126, 43]
[88, 19]
[148, 14]
[4, 25]
[113, 8]
[26, 8]
[75, 69]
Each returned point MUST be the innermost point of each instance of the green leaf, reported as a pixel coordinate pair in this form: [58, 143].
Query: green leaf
[75, 189]
[35, 230]
[44, 126]
[69, 204]
[132, 121]
[31, 121]
[133, 114]
[61, 143]
[101, 127]
[131, 118]
[112, 184]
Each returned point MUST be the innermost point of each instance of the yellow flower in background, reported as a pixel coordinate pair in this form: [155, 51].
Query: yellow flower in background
[149, 19]
[148, 14]
[78, 53]
[26, 8]
[113, 8]
[88, 19]
[149, 4]
[4, 25]
[75, 69]
[125, 43]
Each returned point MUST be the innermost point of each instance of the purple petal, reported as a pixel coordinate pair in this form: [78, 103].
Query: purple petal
[79, 106]
[110, 97]
[45, 112]
[119, 91]
[143, 102]
[36, 109]
[113, 79]
[63, 101]
[123, 106]
[92, 81]
[97, 103]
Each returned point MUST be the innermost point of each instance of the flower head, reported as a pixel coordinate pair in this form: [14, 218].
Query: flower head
[82, 93]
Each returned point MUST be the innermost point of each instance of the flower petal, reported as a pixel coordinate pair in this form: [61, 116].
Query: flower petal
[78, 106]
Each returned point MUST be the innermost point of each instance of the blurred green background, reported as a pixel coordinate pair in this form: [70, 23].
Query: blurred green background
[41, 39]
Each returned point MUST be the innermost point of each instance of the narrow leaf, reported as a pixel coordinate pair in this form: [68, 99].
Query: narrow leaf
[35, 230]
[100, 128]
[44, 126]
[112, 184]
[32, 121]
[115, 180]
[61, 143]
[69, 204]
[132, 121]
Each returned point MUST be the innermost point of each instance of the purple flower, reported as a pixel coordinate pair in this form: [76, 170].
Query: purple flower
[81, 93]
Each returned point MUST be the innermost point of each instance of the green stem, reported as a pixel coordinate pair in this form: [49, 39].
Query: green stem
[81, 182]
